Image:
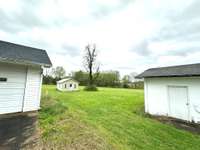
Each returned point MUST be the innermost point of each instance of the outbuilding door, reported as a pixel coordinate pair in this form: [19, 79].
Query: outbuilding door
[178, 102]
[12, 86]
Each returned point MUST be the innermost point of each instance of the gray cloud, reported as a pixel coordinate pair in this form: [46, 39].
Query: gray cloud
[142, 48]
[188, 14]
[184, 51]
[70, 50]
[105, 10]
[27, 18]
[180, 31]
[20, 20]
[181, 27]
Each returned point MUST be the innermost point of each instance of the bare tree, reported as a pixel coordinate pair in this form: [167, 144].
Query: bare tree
[90, 63]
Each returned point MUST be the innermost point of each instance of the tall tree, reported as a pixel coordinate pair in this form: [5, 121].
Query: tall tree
[58, 72]
[109, 78]
[126, 80]
[80, 76]
[90, 64]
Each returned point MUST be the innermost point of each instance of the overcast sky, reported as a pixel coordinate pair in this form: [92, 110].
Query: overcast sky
[131, 35]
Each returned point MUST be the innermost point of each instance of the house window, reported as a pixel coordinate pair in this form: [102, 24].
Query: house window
[74, 85]
[70, 85]
[65, 85]
[3, 79]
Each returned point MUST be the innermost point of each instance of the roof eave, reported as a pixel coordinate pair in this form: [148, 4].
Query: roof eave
[61, 81]
[24, 62]
[141, 77]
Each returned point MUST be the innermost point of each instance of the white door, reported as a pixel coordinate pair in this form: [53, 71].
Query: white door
[32, 92]
[12, 84]
[71, 86]
[178, 102]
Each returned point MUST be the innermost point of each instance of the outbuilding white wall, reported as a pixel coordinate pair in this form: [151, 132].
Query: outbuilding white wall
[33, 89]
[156, 95]
[61, 86]
[12, 91]
[21, 92]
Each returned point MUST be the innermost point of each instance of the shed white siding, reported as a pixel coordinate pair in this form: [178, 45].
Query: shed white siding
[157, 95]
[21, 91]
[33, 89]
[12, 91]
[68, 85]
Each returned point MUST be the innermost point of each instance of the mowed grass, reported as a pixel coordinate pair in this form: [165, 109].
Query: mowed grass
[109, 119]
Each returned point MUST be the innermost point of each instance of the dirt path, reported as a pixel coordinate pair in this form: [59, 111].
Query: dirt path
[18, 131]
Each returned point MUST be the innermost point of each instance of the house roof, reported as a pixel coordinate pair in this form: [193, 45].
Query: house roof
[66, 79]
[10, 52]
[172, 71]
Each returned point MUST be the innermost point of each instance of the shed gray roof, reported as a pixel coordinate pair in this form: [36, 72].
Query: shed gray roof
[10, 52]
[172, 71]
[66, 79]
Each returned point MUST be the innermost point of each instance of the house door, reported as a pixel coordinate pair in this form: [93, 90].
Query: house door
[71, 86]
[178, 102]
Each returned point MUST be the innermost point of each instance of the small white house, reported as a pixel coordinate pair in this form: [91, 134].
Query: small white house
[173, 91]
[67, 84]
[21, 77]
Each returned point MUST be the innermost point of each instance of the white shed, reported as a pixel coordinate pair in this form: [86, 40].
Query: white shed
[20, 77]
[173, 91]
[67, 84]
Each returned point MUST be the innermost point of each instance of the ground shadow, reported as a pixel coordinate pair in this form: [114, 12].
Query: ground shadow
[18, 131]
[180, 124]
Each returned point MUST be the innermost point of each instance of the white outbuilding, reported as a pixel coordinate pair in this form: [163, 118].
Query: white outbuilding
[21, 77]
[67, 84]
[173, 91]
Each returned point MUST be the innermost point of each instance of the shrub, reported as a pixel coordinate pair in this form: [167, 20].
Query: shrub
[91, 88]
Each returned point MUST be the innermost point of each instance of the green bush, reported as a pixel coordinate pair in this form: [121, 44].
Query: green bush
[91, 88]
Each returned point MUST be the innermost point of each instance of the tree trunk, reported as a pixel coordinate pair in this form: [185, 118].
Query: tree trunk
[90, 76]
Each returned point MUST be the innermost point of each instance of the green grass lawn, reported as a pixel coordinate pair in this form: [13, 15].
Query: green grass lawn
[109, 119]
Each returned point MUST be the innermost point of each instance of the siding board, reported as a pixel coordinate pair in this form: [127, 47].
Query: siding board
[158, 98]
[32, 92]
[21, 91]
[12, 91]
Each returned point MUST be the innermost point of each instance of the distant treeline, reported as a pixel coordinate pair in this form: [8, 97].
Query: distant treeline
[47, 79]
[105, 79]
